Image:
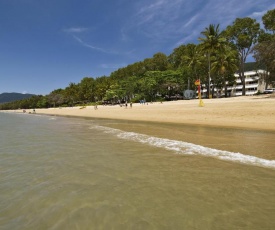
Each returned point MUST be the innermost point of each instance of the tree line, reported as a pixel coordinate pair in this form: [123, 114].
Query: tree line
[219, 54]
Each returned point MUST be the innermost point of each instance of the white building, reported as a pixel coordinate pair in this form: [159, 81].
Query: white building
[254, 83]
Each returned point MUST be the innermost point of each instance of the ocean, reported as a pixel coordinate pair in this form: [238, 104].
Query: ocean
[77, 173]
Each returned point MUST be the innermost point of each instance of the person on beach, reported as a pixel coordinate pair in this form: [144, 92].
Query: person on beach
[95, 106]
[126, 104]
[131, 104]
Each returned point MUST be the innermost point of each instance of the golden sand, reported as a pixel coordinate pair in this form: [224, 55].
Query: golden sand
[256, 112]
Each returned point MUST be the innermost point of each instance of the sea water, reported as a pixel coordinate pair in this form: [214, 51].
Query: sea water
[68, 173]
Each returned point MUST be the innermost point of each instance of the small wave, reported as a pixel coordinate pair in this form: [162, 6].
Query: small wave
[181, 147]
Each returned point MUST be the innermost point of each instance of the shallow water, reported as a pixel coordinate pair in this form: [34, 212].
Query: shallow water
[66, 173]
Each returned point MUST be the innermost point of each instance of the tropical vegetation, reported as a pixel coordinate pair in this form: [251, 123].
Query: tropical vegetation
[214, 60]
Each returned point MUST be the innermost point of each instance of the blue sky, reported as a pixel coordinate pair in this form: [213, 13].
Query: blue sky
[46, 44]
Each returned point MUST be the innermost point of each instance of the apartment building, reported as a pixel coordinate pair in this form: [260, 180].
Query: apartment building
[254, 83]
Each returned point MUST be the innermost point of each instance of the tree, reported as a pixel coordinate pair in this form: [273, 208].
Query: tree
[269, 20]
[148, 84]
[225, 65]
[193, 58]
[115, 93]
[264, 51]
[42, 103]
[56, 97]
[72, 93]
[172, 82]
[160, 62]
[264, 54]
[243, 33]
[87, 89]
[102, 84]
[211, 42]
[130, 86]
[175, 58]
[213, 39]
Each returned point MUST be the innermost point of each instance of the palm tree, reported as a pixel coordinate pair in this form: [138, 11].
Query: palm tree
[193, 58]
[211, 42]
[213, 39]
[225, 65]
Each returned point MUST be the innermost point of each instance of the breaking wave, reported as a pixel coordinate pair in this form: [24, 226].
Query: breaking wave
[181, 147]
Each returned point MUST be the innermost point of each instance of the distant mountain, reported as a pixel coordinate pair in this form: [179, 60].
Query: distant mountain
[9, 97]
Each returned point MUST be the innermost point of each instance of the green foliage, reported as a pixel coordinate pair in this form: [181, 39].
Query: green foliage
[56, 98]
[243, 33]
[213, 43]
[220, 54]
[212, 40]
[175, 58]
[37, 101]
[102, 84]
[269, 20]
[87, 89]
[264, 53]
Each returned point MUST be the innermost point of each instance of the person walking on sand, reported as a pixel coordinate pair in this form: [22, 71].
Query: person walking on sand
[131, 104]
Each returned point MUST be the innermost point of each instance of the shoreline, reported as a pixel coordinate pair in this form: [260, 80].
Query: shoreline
[243, 125]
[246, 112]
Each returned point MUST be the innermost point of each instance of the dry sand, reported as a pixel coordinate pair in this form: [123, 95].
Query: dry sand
[255, 112]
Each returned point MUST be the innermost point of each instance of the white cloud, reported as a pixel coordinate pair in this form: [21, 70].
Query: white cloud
[220, 12]
[91, 46]
[75, 30]
[162, 20]
[158, 22]
[259, 14]
[155, 19]
[191, 21]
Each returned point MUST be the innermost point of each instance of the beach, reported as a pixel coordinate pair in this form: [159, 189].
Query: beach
[251, 112]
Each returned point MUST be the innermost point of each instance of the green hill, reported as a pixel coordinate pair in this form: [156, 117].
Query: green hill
[9, 97]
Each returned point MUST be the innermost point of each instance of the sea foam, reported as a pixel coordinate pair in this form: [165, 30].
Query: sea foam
[181, 147]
